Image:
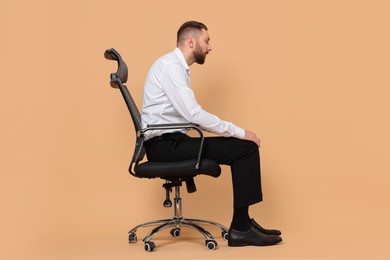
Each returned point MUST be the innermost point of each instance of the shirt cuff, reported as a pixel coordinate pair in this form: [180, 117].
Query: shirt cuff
[239, 132]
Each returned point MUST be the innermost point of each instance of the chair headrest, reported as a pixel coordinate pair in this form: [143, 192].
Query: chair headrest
[122, 72]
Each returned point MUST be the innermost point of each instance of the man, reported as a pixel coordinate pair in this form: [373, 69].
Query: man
[168, 98]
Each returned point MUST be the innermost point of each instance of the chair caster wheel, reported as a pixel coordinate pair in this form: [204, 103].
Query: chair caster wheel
[225, 235]
[175, 232]
[149, 246]
[132, 238]
[211, 244]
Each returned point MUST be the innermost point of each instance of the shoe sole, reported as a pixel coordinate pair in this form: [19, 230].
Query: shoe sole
[238, 244]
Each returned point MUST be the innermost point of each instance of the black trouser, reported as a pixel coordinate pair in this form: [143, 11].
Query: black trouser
[242, 156]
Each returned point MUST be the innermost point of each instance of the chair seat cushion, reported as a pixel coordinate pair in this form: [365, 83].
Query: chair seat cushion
[177, 169]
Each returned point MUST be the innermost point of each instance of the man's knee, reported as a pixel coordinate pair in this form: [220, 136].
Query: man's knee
[245, 147]
[249, 145]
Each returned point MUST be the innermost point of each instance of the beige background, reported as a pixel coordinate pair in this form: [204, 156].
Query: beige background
[311, 78]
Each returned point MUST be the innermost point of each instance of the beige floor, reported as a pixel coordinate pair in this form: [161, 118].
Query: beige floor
[331, 245]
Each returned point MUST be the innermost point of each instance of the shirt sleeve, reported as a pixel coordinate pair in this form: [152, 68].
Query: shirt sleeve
[174, 82]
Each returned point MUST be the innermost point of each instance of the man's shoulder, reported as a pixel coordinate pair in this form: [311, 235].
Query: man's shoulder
[168, 58]
[169, 62]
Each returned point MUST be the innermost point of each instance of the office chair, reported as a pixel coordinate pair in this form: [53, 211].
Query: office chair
[174, 173]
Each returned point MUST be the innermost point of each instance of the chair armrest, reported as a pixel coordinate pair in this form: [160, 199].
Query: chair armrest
[173, 126]
[177, 126]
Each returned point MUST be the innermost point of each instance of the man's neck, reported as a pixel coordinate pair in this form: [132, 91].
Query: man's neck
[187, 55]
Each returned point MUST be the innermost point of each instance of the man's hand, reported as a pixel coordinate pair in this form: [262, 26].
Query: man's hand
[250, 136]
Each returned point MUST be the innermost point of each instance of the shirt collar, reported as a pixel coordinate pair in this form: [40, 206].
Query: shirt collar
[181, 58]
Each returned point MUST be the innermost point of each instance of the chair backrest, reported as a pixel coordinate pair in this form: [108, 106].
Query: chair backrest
[117, 80]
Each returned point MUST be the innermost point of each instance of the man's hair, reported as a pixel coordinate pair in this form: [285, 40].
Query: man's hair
[187, 27]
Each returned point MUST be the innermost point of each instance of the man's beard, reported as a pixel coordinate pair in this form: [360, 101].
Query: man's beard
[199, 56]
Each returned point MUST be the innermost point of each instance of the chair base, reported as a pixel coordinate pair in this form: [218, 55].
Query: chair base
[177, 222]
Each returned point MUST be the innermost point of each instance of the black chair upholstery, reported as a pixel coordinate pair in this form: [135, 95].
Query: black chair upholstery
[174, 173]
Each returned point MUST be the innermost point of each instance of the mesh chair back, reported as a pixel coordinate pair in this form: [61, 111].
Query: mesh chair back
[117, 80]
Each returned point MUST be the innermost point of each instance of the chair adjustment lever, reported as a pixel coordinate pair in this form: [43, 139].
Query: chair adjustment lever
[191, 187]
[168, 189]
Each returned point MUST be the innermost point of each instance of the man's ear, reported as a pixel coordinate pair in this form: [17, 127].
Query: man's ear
[191, 42]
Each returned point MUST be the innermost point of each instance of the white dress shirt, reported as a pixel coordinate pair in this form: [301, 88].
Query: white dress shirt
[168, 98]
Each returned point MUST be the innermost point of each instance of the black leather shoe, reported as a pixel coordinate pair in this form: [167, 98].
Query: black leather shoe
[252, 237]
[273, 232]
